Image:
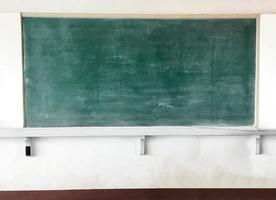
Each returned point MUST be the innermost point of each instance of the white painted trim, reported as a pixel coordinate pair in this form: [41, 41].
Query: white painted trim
[132, 131]
[257, 69]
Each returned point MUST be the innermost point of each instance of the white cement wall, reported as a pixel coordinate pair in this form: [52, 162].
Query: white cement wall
[113, 162]
[140, 6]
[267, 72]
[11, 89]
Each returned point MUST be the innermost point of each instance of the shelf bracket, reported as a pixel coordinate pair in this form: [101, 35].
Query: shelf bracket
[28, 146]
[258, 144]
[142, 145]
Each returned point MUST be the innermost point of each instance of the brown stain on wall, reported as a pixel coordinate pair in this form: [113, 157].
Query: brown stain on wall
[213, 179]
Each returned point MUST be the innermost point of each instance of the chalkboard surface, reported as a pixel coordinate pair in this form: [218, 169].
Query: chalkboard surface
[138, 72]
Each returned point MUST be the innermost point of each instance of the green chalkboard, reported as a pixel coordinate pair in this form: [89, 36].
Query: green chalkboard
[138, 72]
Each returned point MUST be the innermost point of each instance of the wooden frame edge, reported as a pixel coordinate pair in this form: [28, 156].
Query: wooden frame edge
[140, 16]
